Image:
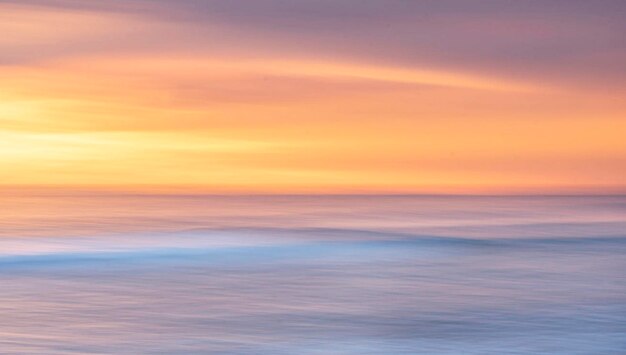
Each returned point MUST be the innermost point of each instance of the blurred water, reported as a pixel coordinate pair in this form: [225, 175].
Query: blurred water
[113, 274]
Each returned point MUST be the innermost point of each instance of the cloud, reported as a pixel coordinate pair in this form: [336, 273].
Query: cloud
[571, 42]
[392, 92]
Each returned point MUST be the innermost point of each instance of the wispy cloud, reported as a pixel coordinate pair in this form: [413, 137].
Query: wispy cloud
[312, 93]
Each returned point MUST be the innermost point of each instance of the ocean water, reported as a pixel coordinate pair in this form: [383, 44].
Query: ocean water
[123, 274]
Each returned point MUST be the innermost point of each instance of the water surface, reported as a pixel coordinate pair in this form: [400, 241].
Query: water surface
[121, 274]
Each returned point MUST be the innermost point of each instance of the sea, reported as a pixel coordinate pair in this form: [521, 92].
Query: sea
[106, 273]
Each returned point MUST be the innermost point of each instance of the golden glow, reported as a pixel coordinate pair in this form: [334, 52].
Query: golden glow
[280, 123]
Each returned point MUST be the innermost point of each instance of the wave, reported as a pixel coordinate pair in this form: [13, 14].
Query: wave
[274, 245]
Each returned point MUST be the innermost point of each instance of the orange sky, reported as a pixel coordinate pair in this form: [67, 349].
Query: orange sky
[127, 98]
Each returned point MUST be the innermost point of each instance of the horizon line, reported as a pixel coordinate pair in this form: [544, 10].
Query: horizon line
[194, 190]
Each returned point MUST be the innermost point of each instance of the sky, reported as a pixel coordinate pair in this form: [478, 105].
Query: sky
[333, 96]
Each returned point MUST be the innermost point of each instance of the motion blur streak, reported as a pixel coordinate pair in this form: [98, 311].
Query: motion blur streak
[312, 177]
[313, 96]
[111, 274]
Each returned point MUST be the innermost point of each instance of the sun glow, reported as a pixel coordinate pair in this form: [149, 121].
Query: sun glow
[154, 114]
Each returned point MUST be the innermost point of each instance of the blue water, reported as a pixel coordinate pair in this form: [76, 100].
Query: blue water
[114, 274]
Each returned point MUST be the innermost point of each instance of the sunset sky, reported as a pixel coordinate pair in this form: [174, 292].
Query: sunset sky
[314, 96]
